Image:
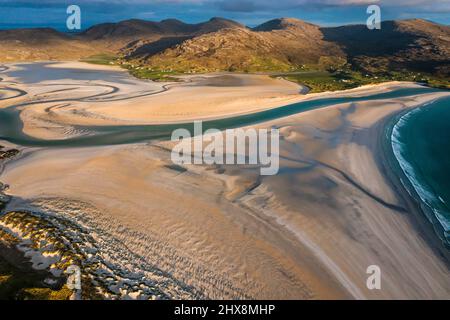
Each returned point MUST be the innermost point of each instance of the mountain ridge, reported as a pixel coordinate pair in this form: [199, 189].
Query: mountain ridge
[281, 44]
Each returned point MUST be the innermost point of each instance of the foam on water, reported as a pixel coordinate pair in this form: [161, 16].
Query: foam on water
[433, 205]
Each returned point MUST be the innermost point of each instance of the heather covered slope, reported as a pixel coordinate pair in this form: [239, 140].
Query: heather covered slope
[415, 44]
[290, 44]
[43, 44]
[136, 29]
[219, 44]
[134, 33]
[120, 38]
[278, 45]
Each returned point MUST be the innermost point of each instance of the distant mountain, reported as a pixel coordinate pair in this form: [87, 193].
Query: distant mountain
[135, 28]
[416, 44]
[125, 37]
[278, 45]
[285, 23]
[170, 33]
[219, 44]
[121, 33]
[287, 44]
[42, 44]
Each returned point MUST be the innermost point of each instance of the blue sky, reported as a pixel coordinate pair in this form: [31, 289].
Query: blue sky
[52, 13]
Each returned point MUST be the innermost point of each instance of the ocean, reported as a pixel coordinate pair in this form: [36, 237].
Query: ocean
[421, 144]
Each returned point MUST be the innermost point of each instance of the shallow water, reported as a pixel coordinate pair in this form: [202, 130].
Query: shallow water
[420, 139]
[29, 73]
[11, 125]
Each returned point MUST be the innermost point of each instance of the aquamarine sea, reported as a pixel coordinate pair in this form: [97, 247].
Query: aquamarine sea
[421, 144]
[420, 139]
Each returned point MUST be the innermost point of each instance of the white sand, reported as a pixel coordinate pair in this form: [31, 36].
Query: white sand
[309, 232]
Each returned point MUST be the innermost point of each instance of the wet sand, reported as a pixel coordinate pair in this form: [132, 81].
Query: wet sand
[309, 232]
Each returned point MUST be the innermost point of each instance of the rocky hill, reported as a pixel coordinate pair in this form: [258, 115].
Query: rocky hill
[290, 44]
[42, 44]
[284, 44]
[135, 33]
[128, 37]
[416, 44]
[278, 45]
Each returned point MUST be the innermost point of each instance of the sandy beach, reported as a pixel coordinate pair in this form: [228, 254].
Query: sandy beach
[122, 100]
[225, 232]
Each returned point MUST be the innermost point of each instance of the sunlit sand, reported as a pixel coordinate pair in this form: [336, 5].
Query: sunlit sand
[309, 232]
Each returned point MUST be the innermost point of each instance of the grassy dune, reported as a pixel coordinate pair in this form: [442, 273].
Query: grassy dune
[321, 81]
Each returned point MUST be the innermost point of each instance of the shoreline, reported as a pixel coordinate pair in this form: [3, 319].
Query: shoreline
[237, 106]
[314, 228]
[418, 235]
[429, 235]
[80, 116]
[423, 212]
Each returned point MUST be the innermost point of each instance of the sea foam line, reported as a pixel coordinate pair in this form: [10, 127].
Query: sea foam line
[426, 195]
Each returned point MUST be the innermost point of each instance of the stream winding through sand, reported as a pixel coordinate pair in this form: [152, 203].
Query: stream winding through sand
[11, 125]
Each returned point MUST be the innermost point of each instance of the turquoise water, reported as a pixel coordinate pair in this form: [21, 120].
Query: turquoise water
[420, 139]
[421, 144]
[11, 125]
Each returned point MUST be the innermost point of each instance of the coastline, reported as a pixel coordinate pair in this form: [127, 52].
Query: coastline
[187, 101]
[314, 228]
[361, 170]
[393, 161]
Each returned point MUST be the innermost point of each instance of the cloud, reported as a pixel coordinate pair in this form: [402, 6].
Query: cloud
[262, 5]
[241, 5]
[237, 6]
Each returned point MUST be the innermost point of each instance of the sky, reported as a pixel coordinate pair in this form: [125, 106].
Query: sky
[52, 13]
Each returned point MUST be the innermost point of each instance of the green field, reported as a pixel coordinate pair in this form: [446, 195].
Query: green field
[317, 80]
[321, 81]
[145, 73]
[135, 70]
[103, 59]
